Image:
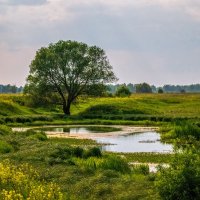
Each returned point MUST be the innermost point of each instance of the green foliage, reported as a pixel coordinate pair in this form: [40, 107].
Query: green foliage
[123, 91]
[183, 130]
[147, 157]
[160, 90]
[187, 129]
[40, 136]
[105, 163]
[8, 108]
[116, 163]
[141, 169]
[4, 130]
[68, 68]
[65, 155]
[143, 88]
[5, 147]
[23, 182]
[181, 181]
[77, 176]
[110, 110]
[92, 152]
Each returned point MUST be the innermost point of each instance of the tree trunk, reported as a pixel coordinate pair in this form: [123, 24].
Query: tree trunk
[66, 108]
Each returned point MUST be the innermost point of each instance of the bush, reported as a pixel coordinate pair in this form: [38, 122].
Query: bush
[93, 152]
[65, 155]
[40, 136]
[123, 91]
[5, 147]
[77, 152]
[141, 169]
[5, 130]
[187, 129]
[115, 163]
[182, 179]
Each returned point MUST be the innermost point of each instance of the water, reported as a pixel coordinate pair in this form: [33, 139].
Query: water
[79, 130]
[68, 130]
[137, 142]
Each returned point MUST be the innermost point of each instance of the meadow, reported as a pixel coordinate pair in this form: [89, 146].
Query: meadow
[137, 109]
[77, 168]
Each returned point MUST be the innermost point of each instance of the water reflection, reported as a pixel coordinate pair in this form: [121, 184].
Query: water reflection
[137, 142]
[140, 142]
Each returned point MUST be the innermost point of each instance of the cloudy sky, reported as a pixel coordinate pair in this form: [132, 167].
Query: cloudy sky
[154, 41]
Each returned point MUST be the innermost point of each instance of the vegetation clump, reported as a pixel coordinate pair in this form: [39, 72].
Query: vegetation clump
[182, 179]
[23, 182]
[123, 91]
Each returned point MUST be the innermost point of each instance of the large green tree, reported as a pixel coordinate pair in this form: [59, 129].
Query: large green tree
[68, 68]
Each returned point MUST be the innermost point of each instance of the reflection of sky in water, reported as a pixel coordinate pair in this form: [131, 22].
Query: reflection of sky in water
[137, 142]
[74, 130]
[140, 142]
[80, 130]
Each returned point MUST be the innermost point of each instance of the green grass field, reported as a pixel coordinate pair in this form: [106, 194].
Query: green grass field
[78, 170]
[138, 107]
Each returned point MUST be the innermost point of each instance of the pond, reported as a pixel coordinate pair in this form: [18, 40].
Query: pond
[137, 142]
[78, 130]
[116, 139]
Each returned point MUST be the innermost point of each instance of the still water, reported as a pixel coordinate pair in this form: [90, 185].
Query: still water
[136, 142]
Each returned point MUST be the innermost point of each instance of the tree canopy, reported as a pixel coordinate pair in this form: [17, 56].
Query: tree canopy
[123, 91]
[69, 69]
[143, 88]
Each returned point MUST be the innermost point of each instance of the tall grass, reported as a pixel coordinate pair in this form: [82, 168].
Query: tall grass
[105, 163]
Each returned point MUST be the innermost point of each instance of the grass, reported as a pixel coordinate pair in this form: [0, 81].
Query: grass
[79, 172]
[147, 157]
[139, 109]
[78, 167]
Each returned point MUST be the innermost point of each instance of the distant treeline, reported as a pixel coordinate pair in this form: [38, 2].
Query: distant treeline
[193, 88]
[10, 89]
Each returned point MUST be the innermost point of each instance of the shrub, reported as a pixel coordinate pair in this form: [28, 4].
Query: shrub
[40, 136]
[141, 169]
[93, 152]
[115, 163]
[186, 129]
[5, 130]
[62, 153]
[123, 91]
[182, 179]
[77, 152]
[5, 147]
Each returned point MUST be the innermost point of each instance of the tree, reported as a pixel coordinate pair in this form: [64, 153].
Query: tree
[143, 88]
[123, 91]
[160, 90]
[68, 68]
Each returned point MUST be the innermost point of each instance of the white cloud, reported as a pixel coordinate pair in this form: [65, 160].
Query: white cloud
[14, 64]
[141, 36]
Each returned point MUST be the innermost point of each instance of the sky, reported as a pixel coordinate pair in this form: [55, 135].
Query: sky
[153, 41]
